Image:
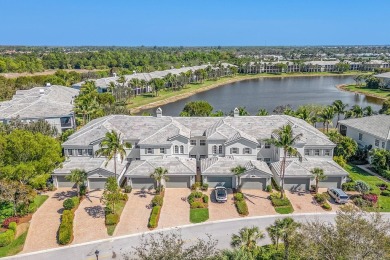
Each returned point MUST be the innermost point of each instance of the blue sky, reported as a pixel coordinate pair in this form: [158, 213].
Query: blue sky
[195, 22]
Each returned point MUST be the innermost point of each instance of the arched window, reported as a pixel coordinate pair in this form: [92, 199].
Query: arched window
[220, 149]
[214, 149]
[181, 149]
[176, 149]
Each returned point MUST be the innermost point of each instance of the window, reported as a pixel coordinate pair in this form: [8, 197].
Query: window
[267, 145]
[70, 152]
[317, 152]
[202, 142]
[383, 144]
[202, 156]
[90, 152]
[377, 142]
[327, 152]
[176, 149]
[193, 156]
[360, 136]
[79, 151]
[181, 149]
[307, 152]
[148, 151]
[234, 150]
[162, 150]
[220, 149]
[246, 151]
[214, 149]
[193, 142]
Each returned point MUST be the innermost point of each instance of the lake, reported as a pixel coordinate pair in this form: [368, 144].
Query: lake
[269, 93]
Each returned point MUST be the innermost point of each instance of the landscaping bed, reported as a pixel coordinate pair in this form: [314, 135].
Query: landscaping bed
[157, 202]
[65, 231]
[240, 203]
[322, 199]
[282, 206]
[199, 203]
[112, 220]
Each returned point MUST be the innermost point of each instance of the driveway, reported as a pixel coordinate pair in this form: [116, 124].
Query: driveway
[332, 202]
[218, 211]
[44, 224]
[89, 219]
[176, 210]
[135, 215]
[258, 203]
[303, 203]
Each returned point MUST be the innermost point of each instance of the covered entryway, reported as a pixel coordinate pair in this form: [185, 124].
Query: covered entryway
[253, 183]
[96, 183]
[62, 182]
[330, 182]
[296, 183]
[215, 181]
[142, 183]
[178, 182]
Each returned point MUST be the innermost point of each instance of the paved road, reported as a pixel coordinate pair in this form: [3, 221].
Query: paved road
[220, 230]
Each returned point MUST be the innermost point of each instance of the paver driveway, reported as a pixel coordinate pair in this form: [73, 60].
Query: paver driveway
[44, 224]
[89, 219]
[258, 203]
[336, 206]
[176, 210]
[135, 215]
[303, 203]
[218, 211]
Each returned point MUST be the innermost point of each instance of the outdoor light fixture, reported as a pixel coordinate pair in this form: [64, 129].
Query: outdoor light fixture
[97, 254]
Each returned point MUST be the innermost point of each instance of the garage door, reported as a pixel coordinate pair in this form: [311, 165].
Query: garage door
[330, 182]
[62, 182]
[142, 183]
[296, 183]
[219, 181]
[97, 183]
[253, 183]
[178, 182]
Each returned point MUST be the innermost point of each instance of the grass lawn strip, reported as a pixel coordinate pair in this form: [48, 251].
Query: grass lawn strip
[377, 93]
[118, 210]
[199, 215]
[199, 207]
[282, 206]
[15, 247]
[355, 173]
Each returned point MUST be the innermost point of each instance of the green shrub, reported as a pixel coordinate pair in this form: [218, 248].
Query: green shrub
[124, 196]
[205, 186]
[320, 198]
[65, 233]
[205, 199]
[67, 217]
[193, 195]
[50, 187]
[340, 160]
[385, 193]
[197, 205]
[68, 204]
[195, 186]
[128, 189]
[326, 206]
[198, 194]
[153, 220]
[13, 226]
[112, 219]
[278, 202]
[32, 208]
[348, 186]
[268, 188]
[242, 208]
[76, 201]
[7, 237]
[239, 196]
[158, 200]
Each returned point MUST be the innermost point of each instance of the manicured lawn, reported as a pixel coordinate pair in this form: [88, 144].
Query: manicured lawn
[199, 215]
[374, 92]
[15, 247]
[118, 210]
[355, 173]
[284, 210]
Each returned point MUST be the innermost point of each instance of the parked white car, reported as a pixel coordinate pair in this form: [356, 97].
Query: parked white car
[338, 195]
[220, 194]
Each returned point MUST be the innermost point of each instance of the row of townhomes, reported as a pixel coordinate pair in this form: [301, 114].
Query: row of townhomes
[51, 103]
[195, 148]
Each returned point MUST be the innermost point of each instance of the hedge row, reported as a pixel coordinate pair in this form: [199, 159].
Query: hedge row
[8, 236]
[65, 232]
[154, 217]
[241, 206]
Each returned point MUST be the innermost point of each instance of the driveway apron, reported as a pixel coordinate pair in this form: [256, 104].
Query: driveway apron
[176, 210]
[218, 211]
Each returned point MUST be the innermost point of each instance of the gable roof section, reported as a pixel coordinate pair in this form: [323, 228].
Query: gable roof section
[297, 168]
[377, 125]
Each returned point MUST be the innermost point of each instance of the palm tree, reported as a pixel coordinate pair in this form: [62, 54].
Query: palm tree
[357, 111]
[275, 233]
[285, 139]
[262, 112]
[368, 111]
[77, 176]
[247, 239]
[318, 176]
[112, 146]
[238, 171]
[159, 174]
[327, 116]
[339, 109]
[286, 228]
[158, 84]
[88, 88]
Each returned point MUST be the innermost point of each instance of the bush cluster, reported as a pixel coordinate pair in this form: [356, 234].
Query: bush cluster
[154, 216]
[124, 196]
[268, 188]
[278, 202]
[193, 195]
[195, 186]
[8, 221]
[360, 202]
[205, 187]
[340, 160]
[65, 231]
[385, 193]
[158, 200]
[128, 189]
[197, 205]
[326, 206]
[239, 196]
[348, 186]
[205, 199]
[13, 226]
[373, 198]
[112, 219]
[7, 237]
[71, 203]
[241, 206]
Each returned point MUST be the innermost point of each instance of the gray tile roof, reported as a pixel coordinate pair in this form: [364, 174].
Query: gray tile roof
[377, 125]
[297, 168]
[39, 102]
[174, 165]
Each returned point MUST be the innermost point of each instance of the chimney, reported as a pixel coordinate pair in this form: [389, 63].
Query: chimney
[48, 84]
[41, 91]
[159, 112]
[236, 112]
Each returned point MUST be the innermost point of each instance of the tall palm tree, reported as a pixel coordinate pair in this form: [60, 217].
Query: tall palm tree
[318, 176]
[357, 111]
[88, 88]
[285, 139]
[159, 174]
[327, 116]
[112, 146]
[339, 109]
[77, 176]
[275, 233]
[238, 171]
[157, 84]
[262, 112]
[286, 228]
[368, 111]
[247, 239]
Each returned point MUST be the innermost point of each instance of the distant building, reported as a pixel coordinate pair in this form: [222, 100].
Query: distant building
[384, 78]
[54, 104]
